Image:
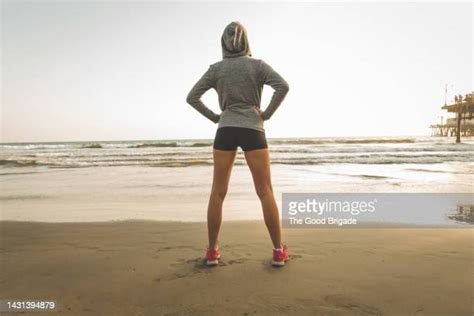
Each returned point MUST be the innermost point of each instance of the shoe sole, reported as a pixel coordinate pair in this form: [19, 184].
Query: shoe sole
[212, 263]
[278, 263]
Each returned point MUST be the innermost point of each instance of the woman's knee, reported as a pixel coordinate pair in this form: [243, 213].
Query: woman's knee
[219, 193]
[264, 191]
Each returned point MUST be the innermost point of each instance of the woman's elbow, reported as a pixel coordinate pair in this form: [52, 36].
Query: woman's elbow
[190, 98]
[285, 87]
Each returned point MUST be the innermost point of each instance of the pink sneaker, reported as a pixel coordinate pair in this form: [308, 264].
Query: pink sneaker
[212, 257]
[280, 256]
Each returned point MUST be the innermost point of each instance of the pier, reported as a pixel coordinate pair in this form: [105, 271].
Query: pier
[462, 124]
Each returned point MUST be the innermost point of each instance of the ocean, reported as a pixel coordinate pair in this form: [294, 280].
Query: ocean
[196, 152]
[171, 179]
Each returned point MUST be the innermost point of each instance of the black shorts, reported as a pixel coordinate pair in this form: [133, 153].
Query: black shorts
[230, 137]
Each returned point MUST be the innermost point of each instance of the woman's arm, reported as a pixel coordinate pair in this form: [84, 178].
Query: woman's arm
[194, 96]
[281, 87]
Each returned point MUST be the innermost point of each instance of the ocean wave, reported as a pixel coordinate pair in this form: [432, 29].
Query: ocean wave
[168, 164]
[22, 197]
[35, 146]
[14, 173]
[92, 146]
[207, 161]
[197, 143]
[433, 171]
[103, 154]
[366, 149]
[342, 141]
[181, 153]
[384, 160]
[17, 163]
[208, 142]
[171, 144]
[110, 145]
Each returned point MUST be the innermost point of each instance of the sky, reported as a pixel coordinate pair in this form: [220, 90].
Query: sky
[90, 70]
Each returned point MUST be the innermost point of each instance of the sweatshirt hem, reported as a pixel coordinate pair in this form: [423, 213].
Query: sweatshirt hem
[261, 129]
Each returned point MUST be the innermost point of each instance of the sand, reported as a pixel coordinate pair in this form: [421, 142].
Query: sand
[156, 268]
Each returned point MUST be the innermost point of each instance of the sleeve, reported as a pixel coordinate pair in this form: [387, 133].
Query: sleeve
[205, 83]
[272, 78]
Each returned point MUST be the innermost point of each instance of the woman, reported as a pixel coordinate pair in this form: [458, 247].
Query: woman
[238, 79]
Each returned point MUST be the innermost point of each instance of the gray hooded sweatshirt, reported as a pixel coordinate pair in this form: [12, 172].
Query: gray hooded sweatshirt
[238, 80]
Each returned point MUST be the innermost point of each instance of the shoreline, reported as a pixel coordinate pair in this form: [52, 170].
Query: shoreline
[360, 225]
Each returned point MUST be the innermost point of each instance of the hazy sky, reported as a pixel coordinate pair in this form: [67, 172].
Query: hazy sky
[122, 70]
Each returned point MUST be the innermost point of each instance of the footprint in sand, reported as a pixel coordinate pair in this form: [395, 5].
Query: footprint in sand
[347, 303]
[237, 261]
[184, 268]
[295, 257]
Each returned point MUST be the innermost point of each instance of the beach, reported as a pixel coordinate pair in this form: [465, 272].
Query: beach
[156, 268]
[111, 188]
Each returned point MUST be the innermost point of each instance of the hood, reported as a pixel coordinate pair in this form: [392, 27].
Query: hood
[234, 41]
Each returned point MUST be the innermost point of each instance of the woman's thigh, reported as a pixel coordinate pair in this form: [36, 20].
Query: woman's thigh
[259, 163]
[223, 163]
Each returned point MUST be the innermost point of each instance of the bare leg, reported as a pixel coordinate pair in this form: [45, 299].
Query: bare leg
[259, 164]
[223, 162]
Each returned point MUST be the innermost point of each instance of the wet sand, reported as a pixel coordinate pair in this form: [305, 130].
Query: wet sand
[156, 268]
